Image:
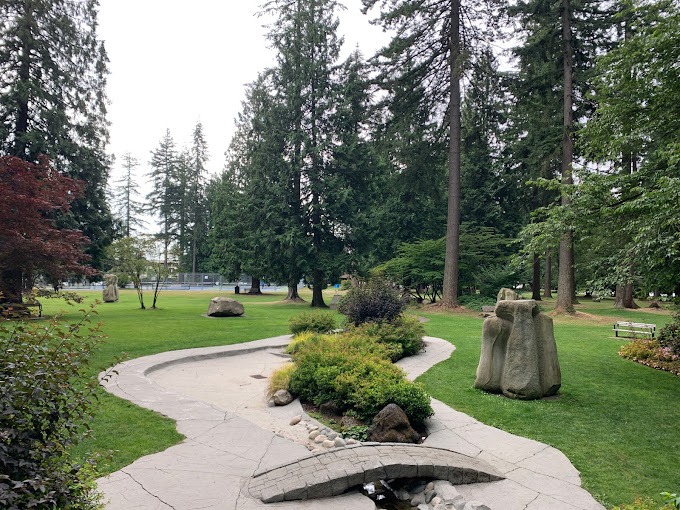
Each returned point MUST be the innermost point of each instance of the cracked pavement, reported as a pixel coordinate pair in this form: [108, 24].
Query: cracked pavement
[231, 433]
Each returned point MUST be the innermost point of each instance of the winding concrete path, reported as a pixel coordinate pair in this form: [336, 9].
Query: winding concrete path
[216, 396]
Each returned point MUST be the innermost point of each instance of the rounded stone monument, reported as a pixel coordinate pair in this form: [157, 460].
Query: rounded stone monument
[519, 354]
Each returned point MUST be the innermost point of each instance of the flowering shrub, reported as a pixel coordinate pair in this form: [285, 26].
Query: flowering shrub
[651, 354]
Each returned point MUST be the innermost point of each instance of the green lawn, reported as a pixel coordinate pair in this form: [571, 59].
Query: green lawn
[616, 421]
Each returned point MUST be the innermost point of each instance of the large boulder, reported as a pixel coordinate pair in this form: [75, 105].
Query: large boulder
[110, 292]
[519, 354]
[506, 294]
[224, 307]
[282, 398]
[391, 425]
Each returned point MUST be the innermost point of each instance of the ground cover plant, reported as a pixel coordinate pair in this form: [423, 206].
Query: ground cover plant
[615, 420]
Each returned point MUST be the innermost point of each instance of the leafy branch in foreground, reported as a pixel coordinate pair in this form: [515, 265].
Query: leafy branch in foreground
[48, 393]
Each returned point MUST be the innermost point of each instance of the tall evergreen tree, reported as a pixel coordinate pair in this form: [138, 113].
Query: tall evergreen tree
[250, 224]
[429, 50]
[163, 200]
[561, 41]
[53, 72]
[305, 37]
[196, 187]
[125, 197]
[411, 187]
[634, 136]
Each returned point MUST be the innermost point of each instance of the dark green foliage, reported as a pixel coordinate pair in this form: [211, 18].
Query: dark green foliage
[419, 267]
[404, 332]
[53, 70]
[316, 322]
[490, 279]
[125, 198]
[45, 408]
[669, 335]
[356, 373]
[374, 301]
[476, 301]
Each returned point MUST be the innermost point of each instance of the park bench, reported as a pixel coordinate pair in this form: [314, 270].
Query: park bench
[34, 303]
[634, 329]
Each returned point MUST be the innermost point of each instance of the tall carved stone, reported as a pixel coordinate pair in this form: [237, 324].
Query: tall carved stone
[110, 292]
[519, 354]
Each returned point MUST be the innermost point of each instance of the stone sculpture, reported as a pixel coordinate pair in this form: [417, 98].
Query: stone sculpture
[519, 354]
[224, 307]
[506, 294]
[110, 292]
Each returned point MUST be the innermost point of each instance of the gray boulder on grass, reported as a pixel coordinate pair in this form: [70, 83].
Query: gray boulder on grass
[519, 354]
[224, 307]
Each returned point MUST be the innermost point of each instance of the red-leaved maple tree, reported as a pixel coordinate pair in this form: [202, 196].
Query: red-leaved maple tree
[32, 197]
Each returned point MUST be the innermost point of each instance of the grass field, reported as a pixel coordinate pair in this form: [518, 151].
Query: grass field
[617, 421]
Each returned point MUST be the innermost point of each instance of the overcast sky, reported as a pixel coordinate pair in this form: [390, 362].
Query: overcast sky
[175, 63]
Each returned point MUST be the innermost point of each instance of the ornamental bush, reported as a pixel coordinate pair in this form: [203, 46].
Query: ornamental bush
[669, 335]
[355, 372]
[376, 301]
[316, 322]
[405, 334]
[46, 405]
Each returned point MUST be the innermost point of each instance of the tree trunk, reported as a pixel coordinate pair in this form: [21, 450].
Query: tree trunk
[317, 289]
[547, 278]
[292, 291]
[11, 286]
[625, 295]
[255, 285]
[450, 289]
[536, 282]
[566, 288]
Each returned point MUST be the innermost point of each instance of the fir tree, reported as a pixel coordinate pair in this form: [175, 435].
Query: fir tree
[126, 193]
[164, 199]
[53, 72]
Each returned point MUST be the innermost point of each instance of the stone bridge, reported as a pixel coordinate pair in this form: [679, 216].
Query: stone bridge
[331, 473]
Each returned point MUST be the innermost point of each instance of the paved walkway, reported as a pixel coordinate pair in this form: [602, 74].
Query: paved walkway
[216, 396]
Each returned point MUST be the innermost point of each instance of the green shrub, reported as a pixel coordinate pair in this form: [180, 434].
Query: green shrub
[45, 409]
[375, 301]
[404, 333]
[317, 322]
[476, 301]
[345, 284]
[669, 335]
[358, 432]
[640, 349]
[355, 372]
